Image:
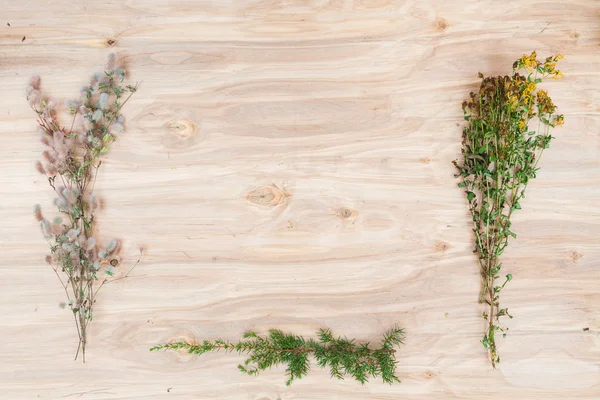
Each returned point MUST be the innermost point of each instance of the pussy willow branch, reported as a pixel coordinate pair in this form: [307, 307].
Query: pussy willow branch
[74, 156]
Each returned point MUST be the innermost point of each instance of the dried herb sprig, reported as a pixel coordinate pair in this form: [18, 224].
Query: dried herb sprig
[342, 356]
[500, 157]
[71, 161]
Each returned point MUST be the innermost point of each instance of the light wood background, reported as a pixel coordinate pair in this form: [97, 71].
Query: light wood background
[288, 164]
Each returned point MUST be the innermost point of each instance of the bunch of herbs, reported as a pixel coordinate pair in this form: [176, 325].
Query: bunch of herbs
[500, 157]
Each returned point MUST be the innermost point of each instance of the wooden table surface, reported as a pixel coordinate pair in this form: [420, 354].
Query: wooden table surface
[287, 164]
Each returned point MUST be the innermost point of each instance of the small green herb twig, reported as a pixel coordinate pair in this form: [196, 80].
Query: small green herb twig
[342, 356]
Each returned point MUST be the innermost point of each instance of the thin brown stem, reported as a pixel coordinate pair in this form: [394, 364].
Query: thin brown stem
[106, 281]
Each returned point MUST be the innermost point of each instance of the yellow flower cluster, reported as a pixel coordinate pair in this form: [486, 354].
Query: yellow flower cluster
[544, 102]
[559, 120]
[550, 66]
[517, 96]
[519, 92]
[529, 89]
[529, 62]
[542, 95]
[547, 68]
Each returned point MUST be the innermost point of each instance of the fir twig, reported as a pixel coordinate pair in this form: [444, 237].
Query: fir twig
[342, 356]
[500, 157]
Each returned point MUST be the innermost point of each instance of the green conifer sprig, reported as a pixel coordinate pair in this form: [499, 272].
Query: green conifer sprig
[342, 356]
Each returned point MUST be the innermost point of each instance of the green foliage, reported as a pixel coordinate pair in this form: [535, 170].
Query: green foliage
[343, 357]
[500, 157]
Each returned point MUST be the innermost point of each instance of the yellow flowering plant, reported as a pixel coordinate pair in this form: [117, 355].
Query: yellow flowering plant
[500, 155]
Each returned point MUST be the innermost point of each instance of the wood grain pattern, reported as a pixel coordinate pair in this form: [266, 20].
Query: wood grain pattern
[288, 164]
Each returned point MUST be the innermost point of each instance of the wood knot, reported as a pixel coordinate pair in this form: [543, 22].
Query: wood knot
[575, 256]
[429, 375]
[442, 24]
[574, 35]
[441, 246]
[426, 160]
[268, 196]
[110, 42]
[346, 213]
[180, 134]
